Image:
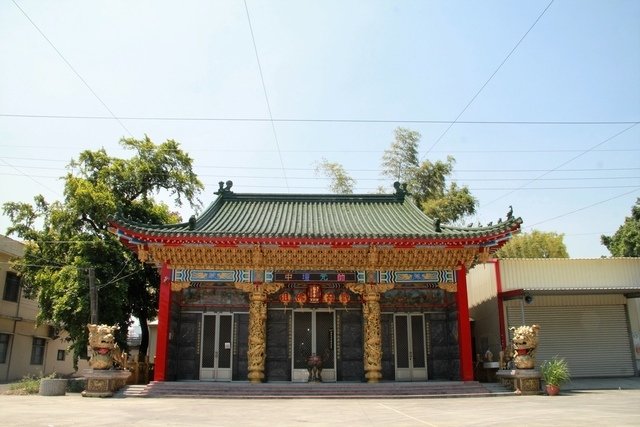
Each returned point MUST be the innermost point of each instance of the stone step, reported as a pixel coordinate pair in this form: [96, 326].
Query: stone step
[238, 390]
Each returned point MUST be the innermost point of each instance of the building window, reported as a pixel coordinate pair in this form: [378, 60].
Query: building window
[4, 347]
[37, 351]
[61, 354]
[11, 287]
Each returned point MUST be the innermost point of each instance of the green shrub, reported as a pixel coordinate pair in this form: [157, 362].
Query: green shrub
[29, 384]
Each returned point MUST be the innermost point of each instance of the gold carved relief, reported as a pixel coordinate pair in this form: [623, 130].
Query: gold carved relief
[257, 352]
[275, 258]
[372, 330]
[448, 287]
[178, 286]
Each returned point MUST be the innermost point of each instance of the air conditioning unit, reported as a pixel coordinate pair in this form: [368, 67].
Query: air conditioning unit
[53, 333]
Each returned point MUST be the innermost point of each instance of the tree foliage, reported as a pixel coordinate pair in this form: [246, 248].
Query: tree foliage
[65, 239]
[626, 240]
[400, 161]
[537, 244]
[427, 181]
[341, 182]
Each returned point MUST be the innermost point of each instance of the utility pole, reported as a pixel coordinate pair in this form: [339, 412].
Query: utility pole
[93, 296]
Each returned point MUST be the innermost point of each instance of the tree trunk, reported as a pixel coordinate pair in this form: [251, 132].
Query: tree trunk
[144, 339]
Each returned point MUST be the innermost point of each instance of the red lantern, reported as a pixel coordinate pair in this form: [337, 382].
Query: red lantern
[315, 293]
[301, 298]
[328, 298]
[344, 298]
[285, 298]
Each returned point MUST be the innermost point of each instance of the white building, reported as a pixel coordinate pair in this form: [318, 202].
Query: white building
[588, 310]
[25, 348]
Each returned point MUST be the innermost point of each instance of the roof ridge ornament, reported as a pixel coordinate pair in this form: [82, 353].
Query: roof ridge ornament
[224, 189]
[401, 190]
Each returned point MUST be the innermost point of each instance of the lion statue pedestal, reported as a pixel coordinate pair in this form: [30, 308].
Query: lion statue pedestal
[525, 379]
[103, 379]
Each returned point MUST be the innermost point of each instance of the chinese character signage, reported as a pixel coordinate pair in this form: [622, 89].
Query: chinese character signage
[315, 276]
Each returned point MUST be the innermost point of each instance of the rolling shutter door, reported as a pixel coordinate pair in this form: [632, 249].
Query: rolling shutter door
[594, 340]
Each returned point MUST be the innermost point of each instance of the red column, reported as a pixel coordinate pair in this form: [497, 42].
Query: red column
[164, 309]
[464, 327]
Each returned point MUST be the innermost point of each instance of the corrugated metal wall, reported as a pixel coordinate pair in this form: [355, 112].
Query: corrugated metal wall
[594, 339]
[481, 284]
[569, 273]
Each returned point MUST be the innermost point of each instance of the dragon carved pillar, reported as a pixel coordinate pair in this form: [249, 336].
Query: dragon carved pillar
[257, 352]
[372, 335]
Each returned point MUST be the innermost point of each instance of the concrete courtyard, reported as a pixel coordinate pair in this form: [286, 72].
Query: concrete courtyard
[594, 403]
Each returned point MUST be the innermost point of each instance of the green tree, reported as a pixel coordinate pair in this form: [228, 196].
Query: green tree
[537, 244]
[65, 239]
[341, 182]
[427, 181]
[400, 161]
[626, 241]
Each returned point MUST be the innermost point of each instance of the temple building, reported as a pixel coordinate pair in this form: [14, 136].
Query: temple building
[299, 287]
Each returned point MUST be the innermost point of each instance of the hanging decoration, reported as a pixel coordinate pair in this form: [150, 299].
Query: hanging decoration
[285, 298]
[344, 298]
[328, 298]
[314, 292]
[301, 298]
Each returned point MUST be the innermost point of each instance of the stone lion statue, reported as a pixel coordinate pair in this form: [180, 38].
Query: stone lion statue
[524, 343]
[104, 349]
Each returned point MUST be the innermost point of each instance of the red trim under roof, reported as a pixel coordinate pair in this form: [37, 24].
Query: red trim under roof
[341, 242]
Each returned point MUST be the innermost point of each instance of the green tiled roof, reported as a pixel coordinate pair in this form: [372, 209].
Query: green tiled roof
[315, 217]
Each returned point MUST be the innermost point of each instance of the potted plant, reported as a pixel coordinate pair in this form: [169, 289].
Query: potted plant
[555, 372]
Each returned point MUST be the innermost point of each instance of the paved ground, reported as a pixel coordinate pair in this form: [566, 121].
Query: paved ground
[612, 402]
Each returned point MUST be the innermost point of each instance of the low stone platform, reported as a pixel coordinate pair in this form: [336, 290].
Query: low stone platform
[103, 383]
[526, 381]
[287, 390]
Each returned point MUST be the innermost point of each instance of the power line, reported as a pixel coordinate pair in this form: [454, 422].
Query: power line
[584, 208]
[266, 96]
[32, 178]
[353, 170]
[328, 120]
[346, 151]
[564, 163]
[490, 78]
[113, 116]
[381, 179]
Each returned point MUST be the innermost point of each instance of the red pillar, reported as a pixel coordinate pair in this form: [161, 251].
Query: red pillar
[164, 309]
[464, 327]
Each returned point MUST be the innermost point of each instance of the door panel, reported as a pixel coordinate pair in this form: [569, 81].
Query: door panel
[216, 347]
[278, 361]
[240, 346]
[410, 349]
[313, 333]
[350, 354]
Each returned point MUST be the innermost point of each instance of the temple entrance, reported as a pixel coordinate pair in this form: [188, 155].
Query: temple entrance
[313, 334]
[410, 348]
[216, 347]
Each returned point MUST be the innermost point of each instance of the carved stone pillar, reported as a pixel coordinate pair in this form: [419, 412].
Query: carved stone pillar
[257, 352]
[371, 321]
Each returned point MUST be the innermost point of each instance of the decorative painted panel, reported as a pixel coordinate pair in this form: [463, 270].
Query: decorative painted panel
[213, 295]
[315, 276]
[426, 276]
[184, 275]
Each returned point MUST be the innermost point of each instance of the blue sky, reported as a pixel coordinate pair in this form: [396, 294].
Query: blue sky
[339, 76]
